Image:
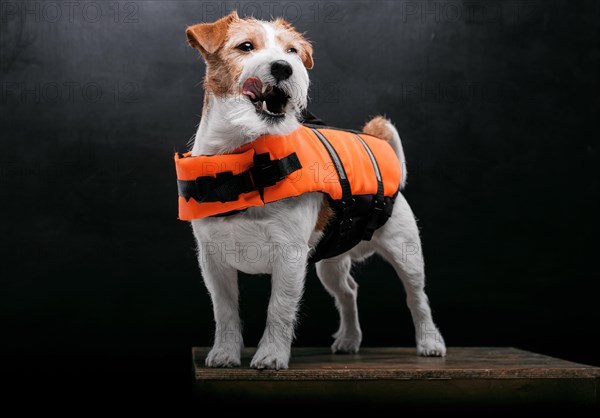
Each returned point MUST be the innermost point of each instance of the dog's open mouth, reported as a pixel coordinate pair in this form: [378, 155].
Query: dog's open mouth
[269, 101]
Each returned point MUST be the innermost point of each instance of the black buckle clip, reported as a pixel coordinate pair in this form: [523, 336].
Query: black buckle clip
[204, 185]
[346, 222]
[267, 174]
[345, 225]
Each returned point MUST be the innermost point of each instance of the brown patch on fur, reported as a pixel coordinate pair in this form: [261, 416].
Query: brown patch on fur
[246, 30]
[208, 37]
[223, 59]
[290, 38]
[225, 67]
[284, 23]
[325, 215]
[221, 75]
[378, 126]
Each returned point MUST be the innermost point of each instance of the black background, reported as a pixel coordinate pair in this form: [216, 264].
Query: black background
[496, 102]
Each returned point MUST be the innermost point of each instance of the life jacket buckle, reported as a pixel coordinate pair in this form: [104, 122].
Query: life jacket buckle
[346, 204]
[346, 221]
[345, 225]
[267, 172]
[266, 175]
[204, 185]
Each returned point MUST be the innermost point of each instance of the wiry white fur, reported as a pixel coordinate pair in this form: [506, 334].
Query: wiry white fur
[277, 240]
[269, 35]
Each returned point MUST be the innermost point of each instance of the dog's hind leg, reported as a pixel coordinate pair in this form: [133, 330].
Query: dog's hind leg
[335, 275]
[398, 242]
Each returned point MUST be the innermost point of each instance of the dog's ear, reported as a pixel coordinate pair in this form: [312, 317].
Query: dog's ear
[208, 37]
[306, 54]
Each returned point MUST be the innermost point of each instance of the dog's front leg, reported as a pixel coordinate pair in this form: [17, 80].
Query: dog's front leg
[221, 282]
[287, 284]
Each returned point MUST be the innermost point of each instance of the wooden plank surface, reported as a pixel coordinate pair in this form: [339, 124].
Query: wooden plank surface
[391, 377]
[314, 364]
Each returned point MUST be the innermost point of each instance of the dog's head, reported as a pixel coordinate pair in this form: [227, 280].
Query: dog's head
[256, 71]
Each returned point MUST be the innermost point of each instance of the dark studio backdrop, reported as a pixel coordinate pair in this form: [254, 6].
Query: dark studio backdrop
[497, 105]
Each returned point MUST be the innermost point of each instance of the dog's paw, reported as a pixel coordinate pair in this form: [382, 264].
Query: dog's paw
[346, 343]
[432, 346]
[223, 357]
[270, 357]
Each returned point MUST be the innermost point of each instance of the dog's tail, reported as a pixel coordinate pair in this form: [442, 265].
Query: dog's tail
[383, 128]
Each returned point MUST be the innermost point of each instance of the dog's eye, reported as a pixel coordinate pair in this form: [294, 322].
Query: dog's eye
[292, 51]
[245, 46]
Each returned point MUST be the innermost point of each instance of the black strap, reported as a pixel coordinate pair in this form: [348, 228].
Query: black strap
[347, 201]
[227, 187]
[307, 117]
[379, 201]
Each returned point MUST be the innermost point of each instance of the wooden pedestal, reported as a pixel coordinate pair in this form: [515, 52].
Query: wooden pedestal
[396, 376]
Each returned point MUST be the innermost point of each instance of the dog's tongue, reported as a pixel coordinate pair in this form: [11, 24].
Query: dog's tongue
[252, 87]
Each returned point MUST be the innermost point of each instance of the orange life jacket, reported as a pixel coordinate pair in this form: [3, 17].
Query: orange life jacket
[359, 173]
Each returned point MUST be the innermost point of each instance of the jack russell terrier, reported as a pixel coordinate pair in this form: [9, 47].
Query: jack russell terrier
[256, 84]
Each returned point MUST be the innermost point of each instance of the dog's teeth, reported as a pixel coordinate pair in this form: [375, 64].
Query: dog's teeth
[264, 87]
[264, 106]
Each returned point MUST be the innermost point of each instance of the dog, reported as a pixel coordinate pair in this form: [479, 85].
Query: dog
[256, 83]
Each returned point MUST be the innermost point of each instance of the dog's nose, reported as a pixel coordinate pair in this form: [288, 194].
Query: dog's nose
[281, 70]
